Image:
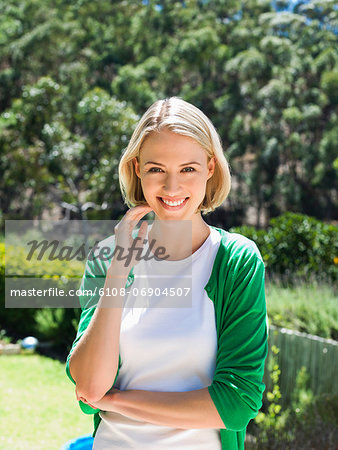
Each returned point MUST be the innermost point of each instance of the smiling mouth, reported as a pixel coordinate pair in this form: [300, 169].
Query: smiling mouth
[173, 207]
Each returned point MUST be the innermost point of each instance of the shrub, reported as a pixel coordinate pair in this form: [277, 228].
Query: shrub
[297, 246]
[272, 422]
[51, 324]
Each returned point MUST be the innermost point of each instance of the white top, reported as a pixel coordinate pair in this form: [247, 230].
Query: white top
[166, 347]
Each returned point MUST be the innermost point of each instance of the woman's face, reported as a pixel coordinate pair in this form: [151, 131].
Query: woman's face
[173, 167]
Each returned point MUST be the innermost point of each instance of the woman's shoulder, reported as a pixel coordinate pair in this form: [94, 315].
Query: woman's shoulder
[238, 245]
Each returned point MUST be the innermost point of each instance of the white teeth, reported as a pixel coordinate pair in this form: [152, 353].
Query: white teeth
[173, 203]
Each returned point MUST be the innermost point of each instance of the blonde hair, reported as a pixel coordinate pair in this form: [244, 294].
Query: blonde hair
[181, 117]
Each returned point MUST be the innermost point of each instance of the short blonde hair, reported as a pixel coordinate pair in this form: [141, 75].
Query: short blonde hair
[181, 117]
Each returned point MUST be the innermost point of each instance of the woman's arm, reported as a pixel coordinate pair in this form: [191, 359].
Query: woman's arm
[93, 363]
[191, 409]
[237, 387]
[94, 359]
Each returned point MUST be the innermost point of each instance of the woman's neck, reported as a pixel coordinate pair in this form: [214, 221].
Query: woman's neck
[180, 238]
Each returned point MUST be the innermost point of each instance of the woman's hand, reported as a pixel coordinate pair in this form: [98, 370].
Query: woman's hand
[123, 233]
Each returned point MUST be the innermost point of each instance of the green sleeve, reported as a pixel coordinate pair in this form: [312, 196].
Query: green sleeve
[237, 386]
[92, 280]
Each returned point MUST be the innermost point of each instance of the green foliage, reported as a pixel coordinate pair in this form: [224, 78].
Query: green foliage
[4, 338]
[47, 324]
[57, 325]
[76, 76]
[297, 246]
[329, 84]
[134, 84]
[19, 265]
[302, 398]
[274, 419]
[304, 424]
[73, 146]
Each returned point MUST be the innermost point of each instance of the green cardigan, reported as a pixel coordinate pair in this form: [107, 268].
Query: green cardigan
[236, 287]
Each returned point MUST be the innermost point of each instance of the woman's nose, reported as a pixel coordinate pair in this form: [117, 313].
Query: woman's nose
[172, 184]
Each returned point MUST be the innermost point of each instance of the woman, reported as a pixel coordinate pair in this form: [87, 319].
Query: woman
[171, 370]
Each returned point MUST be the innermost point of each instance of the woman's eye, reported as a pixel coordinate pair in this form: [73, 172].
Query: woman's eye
[154, 169]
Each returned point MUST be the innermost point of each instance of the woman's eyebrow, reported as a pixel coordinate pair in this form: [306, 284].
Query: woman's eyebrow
[159, 164]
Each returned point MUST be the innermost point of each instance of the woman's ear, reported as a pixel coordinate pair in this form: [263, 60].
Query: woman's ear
[211, 166]
[136, 166]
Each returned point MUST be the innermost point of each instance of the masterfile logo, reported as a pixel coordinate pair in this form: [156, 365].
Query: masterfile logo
[65, 264]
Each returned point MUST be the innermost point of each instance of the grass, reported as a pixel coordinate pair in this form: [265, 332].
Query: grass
[38, 407]
[310, 307]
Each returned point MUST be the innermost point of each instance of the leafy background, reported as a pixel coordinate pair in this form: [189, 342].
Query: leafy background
[75, 76]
